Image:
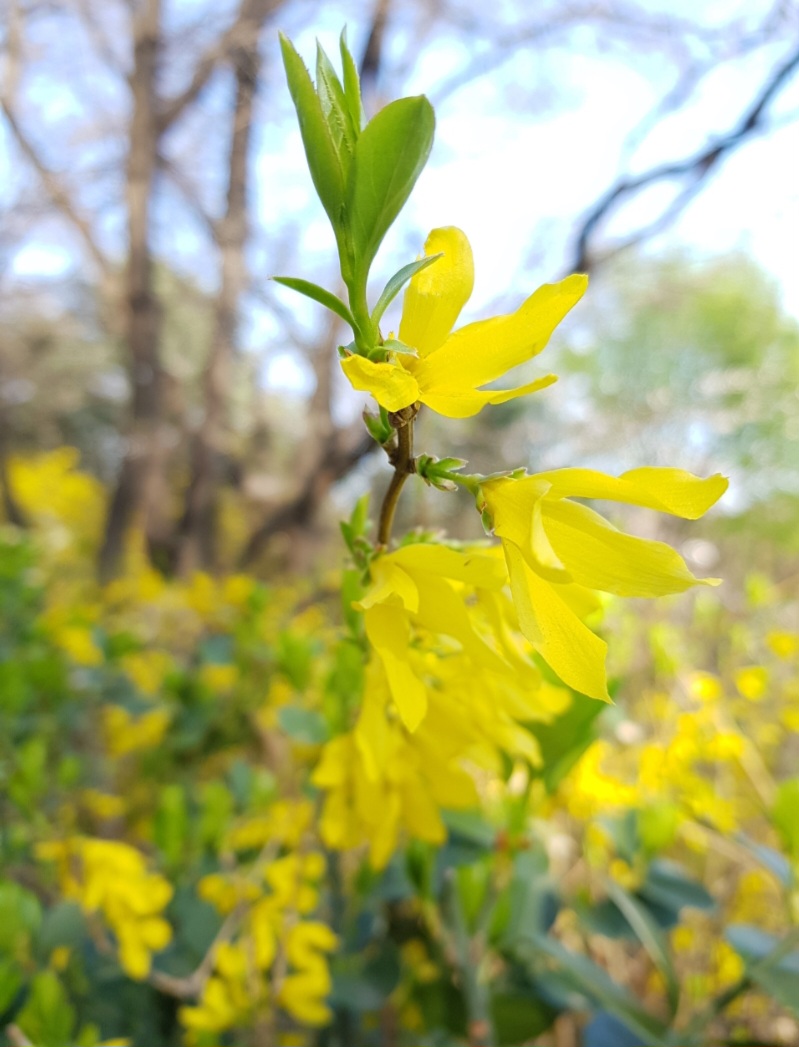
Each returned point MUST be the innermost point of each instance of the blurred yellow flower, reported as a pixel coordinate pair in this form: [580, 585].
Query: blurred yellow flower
[111, 878]
[752, 682]
[126, 734]
[783, 644]
[705, 687]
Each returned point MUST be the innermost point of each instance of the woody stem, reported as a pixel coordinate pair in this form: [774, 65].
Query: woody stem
[401, 457]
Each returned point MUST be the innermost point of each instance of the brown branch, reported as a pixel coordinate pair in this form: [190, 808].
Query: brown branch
[54, 188]
[136, 489]
[249, 18]
[402, 460]
[695, 168]
[197, 529]
[337, 460]
[372, 57]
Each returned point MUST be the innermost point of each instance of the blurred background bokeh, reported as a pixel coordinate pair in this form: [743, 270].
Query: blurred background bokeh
[175, 433]
[153, 181]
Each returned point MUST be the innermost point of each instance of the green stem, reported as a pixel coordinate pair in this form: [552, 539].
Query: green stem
[365, 335]
[401, 457]
[468, 950]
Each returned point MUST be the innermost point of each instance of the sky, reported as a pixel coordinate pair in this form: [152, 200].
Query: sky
[517, 179]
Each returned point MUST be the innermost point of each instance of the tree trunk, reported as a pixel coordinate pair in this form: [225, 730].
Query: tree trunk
[134, 496]
[197, 532]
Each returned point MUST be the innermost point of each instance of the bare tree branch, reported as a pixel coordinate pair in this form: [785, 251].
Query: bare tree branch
[197, 529]
[54, 188]
[340, 456]
[694, 168]
[250, 16]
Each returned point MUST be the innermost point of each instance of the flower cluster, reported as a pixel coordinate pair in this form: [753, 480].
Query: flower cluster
[276, 954]
[111, 879]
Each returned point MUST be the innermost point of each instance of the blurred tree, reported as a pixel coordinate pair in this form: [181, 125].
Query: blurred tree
[134, 130]
[689, 358]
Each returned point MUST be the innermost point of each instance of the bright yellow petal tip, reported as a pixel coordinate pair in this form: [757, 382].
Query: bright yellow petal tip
[436, 295]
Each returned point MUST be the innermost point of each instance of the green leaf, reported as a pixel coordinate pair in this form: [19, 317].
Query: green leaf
[335, 110]
[320, 295]
[320, 150]
[470, 826]
[650, 936]
[397, 282]
[63, 925]
[591, 980]
[772, 860]
[171, 823]
[354, 529]
[394, 345]
[667, 885]
[47, 1017]
[565, 739]
[303, 725]
[389, 157]
[20, 916]
[519, 1017]
[772, 963]
[352, 84]
[785, 815]
[10, 983]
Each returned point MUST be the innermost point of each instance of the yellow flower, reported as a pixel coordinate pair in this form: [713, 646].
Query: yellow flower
[112, 878]
[752, 682]
[125, 734]
[783, 644]
[557, 551]
[77, 642]
[450, 367]
[424, 583]
[303, 991]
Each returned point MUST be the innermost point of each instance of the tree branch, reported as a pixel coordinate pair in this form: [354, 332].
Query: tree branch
[250, 16]
[401, 458]
[696, 168]
[338, 459]
[54, 188]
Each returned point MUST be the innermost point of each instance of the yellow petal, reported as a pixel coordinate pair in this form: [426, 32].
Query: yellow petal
[598, 556]
[568, 647]
[667, 490]
[464, 403]
[511, 504]
[372, 731]
[389, 633]
[391, 385]
[475, 568]
[419, 812]
[389, 580]
[436, 295]
[483, 351]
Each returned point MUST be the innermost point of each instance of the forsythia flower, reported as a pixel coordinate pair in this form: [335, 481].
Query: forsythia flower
[112, 878]
[557, 551]
[423, 584]
[241, 984]
[304, 989]
[450, 367]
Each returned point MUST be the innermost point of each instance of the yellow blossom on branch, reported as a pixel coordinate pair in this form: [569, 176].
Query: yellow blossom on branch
[558, 551]
[450, 367]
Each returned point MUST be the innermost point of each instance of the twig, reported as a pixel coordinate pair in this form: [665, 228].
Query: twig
[401, 457]
[695, 168]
